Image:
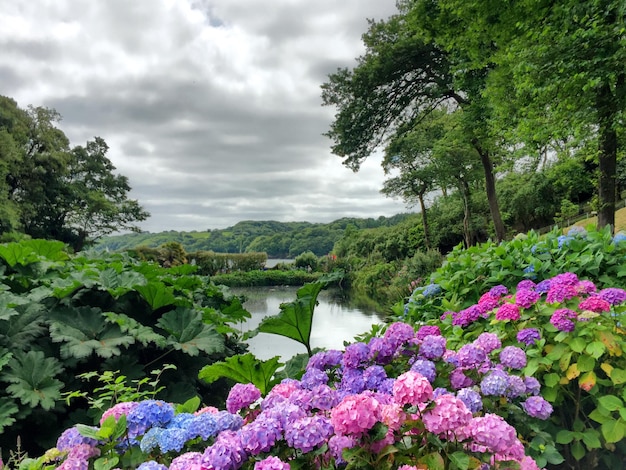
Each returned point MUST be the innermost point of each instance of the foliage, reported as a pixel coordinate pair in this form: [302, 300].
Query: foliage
[52, 191]
[307, 260]
[292, 277]
[65, 316]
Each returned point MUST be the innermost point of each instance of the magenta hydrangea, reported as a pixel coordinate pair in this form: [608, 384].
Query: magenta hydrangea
[427, 330]
[508, 312]
[241, 396]
[448, 414]
[488, 341]
[562, 319]
[271, 463]
[493, 432]
[356, 414]
[526, 298]
[594, 303]
[528, 336]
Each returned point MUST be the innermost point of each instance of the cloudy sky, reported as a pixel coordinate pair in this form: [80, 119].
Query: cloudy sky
[211, 108]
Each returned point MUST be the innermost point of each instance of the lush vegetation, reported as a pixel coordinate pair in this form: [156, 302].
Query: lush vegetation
[62, 316]
[517, 359]
[49, 190]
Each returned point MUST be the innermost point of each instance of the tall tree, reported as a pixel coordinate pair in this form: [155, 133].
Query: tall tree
[403, 76]
[49, 190]
[565, 60]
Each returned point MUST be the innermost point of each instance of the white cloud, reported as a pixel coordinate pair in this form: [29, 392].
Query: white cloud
[212, 108]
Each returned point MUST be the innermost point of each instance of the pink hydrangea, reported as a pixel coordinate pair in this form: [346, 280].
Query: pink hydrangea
[508, 312]
[412, 388]
[118, 410]
[595, 304]
[356, 414]
[493, 432]
[449, 414]
[392, 415]
[271, 463]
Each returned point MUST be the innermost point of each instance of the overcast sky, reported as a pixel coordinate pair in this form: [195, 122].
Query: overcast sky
[211, 108]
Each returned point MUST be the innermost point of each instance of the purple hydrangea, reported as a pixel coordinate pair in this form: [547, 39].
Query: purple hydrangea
[240, 396]
[427, 330]
[381, 351]
[374, 376]
[186, 461]
[226, 453]
[488, 341]
[471, 356]
[543, 286]
[559, 293]
[426, 368]
[537, 407]
[433, 347]
[570, 279]
[313, 377]
[260, 435]
[352, 381]
[71, 437]
[513, 357]
[323, 397]
[459, 380]
[527, 284]
[471, 398]
[466, 316]
[399, 333]
[325, 360]
[305, 434]
[355, 355]
[562, 319]
[533, 387]
[498, 291]
[271, 463]
[526, 298]
[528, 336]
[337, 443]
[515, 386]
[494, 384]
[613, 295]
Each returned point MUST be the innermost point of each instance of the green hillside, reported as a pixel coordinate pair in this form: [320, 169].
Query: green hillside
[277, 239]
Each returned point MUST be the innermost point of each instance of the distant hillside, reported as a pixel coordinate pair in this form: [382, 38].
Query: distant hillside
[277, 239]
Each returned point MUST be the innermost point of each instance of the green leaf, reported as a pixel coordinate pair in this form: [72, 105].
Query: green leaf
[188, 333]
[611, 402]
[595, 349]
[8, 408]
[578, 344]
[189, 406]
[618, 376]
[460, 459]
[613, 430]
[296, 318]
[585, 363]
[577, 450]
[564, 436]
[591, 438]
[433, 461]
[14, 253]
[32, 377]
[156, 294]
[106, 462]
[243, 369]
[142, 334]
[551, 379]
[86, 333]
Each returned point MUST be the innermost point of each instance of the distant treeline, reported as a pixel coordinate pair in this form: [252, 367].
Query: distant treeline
[277, 239]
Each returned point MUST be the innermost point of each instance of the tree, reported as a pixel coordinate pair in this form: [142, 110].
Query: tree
[49, 190]
[403, 76]
[564, 59]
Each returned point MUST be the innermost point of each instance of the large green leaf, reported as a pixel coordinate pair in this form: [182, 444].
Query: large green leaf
[142, 334]
[157, 294]
[32, 377]
[243, 369]
[14, 253]
[296, 317]
[188, 333]
[7, 409]
[84, 330]
[8, 301]
[118, 283]
[19, 332]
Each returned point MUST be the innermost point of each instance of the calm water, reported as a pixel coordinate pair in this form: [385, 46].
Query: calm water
[334, 320]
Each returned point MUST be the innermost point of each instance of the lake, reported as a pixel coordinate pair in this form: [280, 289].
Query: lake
[335, 320]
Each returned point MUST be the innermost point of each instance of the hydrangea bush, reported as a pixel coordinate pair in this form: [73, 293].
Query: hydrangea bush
[403, 400]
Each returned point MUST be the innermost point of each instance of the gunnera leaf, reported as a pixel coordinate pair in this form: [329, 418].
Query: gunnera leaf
[188, 333]
[33, 379]
[246, 368]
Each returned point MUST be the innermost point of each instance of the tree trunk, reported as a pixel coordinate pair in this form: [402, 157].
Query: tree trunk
[607, 156]
[490, 186]
[424, 219]
[467, 215]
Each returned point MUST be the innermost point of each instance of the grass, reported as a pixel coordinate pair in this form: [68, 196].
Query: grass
[620, 220]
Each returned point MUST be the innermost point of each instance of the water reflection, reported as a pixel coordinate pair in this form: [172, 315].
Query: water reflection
[334, 321]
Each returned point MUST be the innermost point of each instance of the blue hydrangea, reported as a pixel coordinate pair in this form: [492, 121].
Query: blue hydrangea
[471, 398]
[374, 376]
[228, 421]
[352, 381]
[619, 237]
[431, 290]
[564, 240]
[146, 414]
[181, 420]
[151, 465]
[150, 440]
[203, 425]
[172, 439]
[313, 377]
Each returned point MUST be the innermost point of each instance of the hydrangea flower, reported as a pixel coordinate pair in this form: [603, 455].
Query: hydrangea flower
[537, 407]
[146, 414]
[356, 414]
[260, 435]
[187, 461]
[356, 354]
[241, 395]
[471, 356]
[526, 298]
[595, 303]
[427, 330]
[562, 319]
[399, 333]
[613, 295]
[528, 336]
[305, 434]
[472, 399]
[448, 415]
[433, 347]
[431, 290]
[494, 384]
[559, 293]
[412, 388]
[498, 291]
[493, 432]
[426, 368]
[271, 463]
[72, 437]
[508, 312]
[513, 357]
[226, 453]
[488, 341]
